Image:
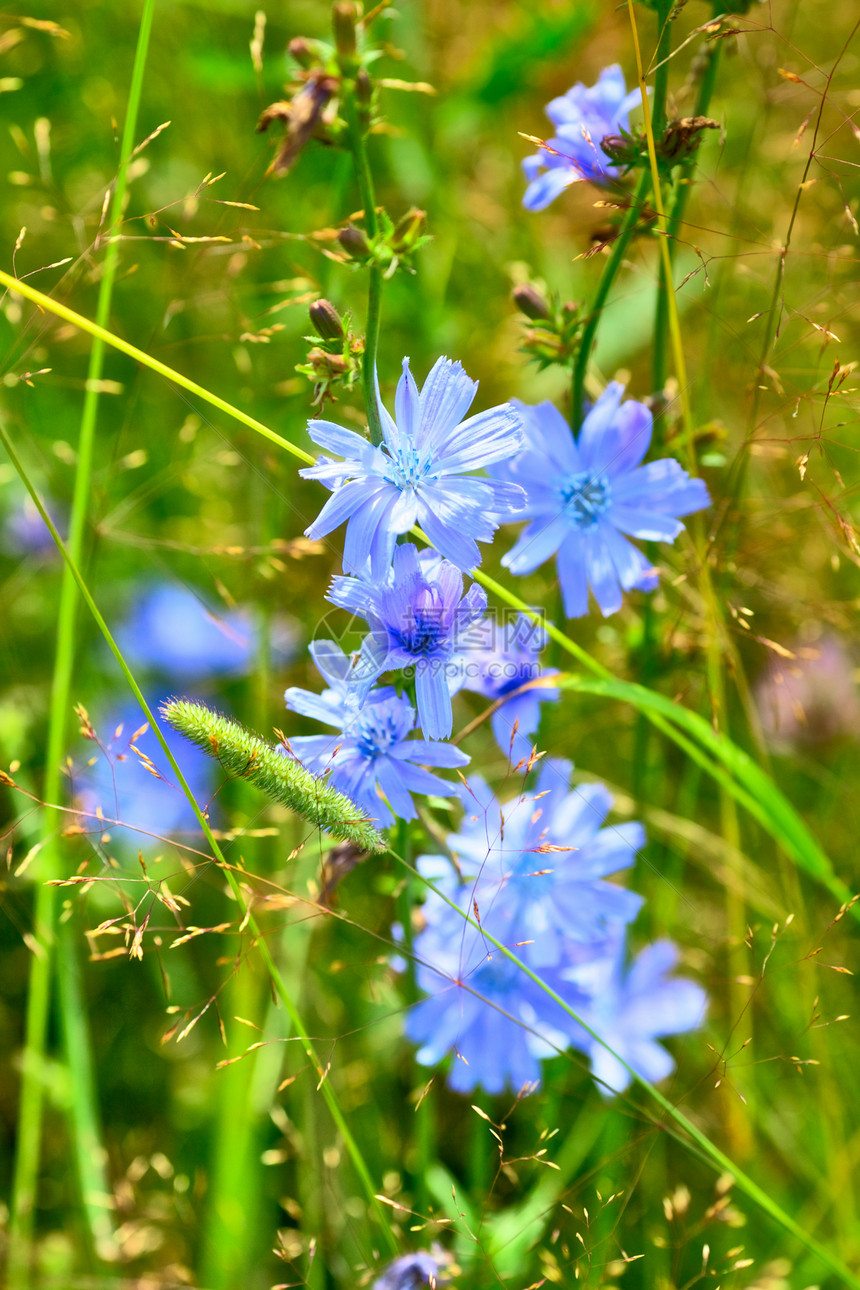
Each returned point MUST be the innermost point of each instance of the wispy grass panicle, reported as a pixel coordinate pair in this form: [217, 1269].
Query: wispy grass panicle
[244, 755]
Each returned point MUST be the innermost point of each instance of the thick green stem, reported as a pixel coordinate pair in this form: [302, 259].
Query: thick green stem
[89, 1154]
[248, 918]
[610, 270]
[364, 177]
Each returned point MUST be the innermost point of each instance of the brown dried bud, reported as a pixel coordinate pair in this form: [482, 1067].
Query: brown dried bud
[326, 320]
[301, 117]
[683, 137]
[530, 302]
[328, 365]
[354, 242]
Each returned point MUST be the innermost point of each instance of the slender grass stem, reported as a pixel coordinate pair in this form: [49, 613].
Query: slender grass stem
[248, 918]
[358, 147]
[89, 1154]
[688, 1133]
[610, 272]
[146, 360]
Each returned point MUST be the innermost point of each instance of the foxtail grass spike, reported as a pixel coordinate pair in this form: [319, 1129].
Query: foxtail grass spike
[244, 755]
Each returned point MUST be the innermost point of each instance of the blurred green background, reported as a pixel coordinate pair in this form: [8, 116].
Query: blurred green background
[207, 1165]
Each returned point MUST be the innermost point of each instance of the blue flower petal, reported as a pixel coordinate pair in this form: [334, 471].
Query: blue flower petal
[339, 507]
[446, 397]
[434, 700]
[547, 187]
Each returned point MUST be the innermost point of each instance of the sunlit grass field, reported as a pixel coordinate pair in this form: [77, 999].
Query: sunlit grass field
[212, 1074]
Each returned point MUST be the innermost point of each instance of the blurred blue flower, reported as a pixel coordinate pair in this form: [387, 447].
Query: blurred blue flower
[418, 473]
[482, 1008]
[26, 533]
[631, 1009]
[170, 630]
[538, 863]
[583, 117]
[418, 618]
[584, 494]
[119, 783]
[502, 656]
[411, 1272]
[372, 749]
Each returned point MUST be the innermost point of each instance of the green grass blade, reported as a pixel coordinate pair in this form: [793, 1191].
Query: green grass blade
[732, 768]
[248, 917]
[90, 1156]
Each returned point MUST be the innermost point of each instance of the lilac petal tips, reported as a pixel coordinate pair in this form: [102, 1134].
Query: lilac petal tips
[419, 618]
[419, 473]
[583, 117]
[583, 495]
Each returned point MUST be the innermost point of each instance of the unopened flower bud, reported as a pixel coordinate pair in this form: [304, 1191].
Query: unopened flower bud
[304, 51]
[344, 18]
[530, 302]
[354, 242]
[408, 230]
[326, 320]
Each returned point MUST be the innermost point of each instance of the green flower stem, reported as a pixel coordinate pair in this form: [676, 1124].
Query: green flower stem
[358, 147]
[610, 270]
[424, 1110]
[674, 321]
[685, 1130]
[238, 894]
[661, 70]
[146, 360]
[676, 221]
[89, 1154]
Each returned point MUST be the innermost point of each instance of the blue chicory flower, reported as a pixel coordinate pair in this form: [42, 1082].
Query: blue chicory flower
[502, 657]
[631, 1009]
[539, 862]
[419, 618]
[483, 1009]
[24, 532]
[411, 1272]
[419, 473]
[583, 494]
[170, 631]
[372, 749]
[583, 117]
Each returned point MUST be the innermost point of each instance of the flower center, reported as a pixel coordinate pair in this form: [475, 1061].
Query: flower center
[406, 469]
[421, 635]
[377, 734]
[585, 498]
